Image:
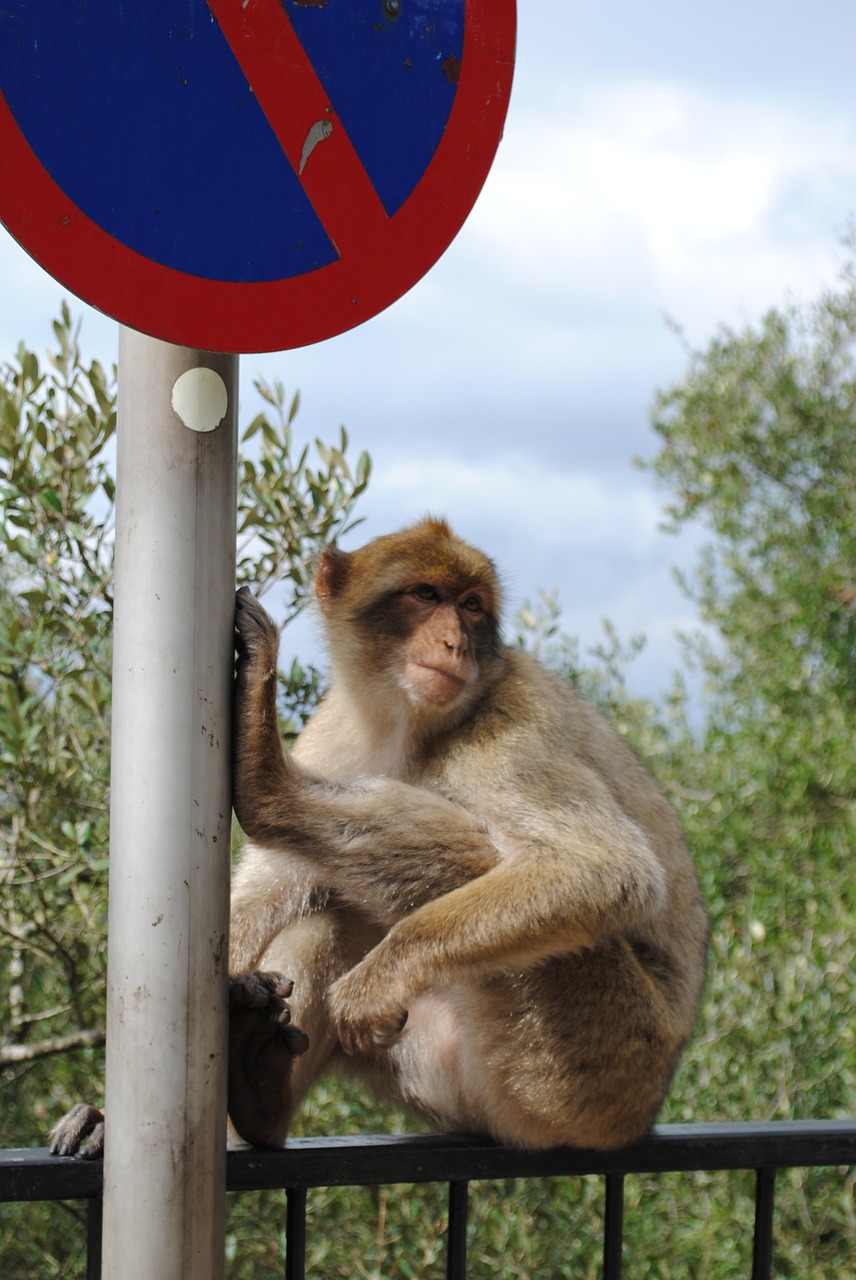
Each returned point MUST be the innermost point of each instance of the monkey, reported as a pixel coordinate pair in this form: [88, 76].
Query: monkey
[484, 899]
[461, 884]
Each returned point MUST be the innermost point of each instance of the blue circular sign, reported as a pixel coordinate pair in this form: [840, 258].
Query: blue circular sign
[247, 174]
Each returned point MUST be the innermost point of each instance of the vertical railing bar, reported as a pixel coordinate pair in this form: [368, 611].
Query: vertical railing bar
[94, 1216]
[762, 1243]
[295, 1233]
[613, 1225]
[456, 1244]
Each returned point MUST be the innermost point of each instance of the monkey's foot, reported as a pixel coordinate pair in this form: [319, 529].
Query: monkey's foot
[79, 1132]
[262, 1048]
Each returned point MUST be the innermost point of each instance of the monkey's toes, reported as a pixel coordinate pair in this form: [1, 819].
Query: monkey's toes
[80, 1131]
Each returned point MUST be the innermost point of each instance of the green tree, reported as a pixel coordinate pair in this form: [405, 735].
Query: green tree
[759, 442]
[57, 422]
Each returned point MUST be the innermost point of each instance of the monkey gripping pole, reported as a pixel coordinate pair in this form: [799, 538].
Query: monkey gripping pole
[164, 1169]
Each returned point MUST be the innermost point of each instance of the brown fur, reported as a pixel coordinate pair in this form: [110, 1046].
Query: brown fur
[483, 898]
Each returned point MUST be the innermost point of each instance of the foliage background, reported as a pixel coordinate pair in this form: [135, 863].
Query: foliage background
[757, 441]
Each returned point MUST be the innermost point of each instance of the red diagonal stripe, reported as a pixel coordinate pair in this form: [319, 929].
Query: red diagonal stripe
[297, 108]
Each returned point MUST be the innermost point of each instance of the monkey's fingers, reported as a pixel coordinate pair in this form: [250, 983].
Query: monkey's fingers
[364, 1036]
[268, 991]
[81, 1131]
[255, 630]
[368, 1007]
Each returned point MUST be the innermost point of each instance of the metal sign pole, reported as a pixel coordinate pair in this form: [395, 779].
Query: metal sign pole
[164, 1171]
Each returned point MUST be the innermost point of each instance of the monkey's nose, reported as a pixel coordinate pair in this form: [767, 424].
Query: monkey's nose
[457, 647]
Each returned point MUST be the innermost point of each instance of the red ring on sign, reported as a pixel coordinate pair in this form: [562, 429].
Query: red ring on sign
[380, 263]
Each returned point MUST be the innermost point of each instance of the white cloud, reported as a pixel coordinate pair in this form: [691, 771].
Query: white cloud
[558, 508]
[666, 196]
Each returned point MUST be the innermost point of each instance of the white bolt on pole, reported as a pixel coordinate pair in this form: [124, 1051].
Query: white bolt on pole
[164, 1170]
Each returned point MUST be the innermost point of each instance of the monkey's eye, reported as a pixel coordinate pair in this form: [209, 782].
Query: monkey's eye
[425, 592]
[472, 604]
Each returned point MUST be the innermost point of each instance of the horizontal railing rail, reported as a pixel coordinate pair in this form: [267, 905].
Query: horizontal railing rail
[33, 1174]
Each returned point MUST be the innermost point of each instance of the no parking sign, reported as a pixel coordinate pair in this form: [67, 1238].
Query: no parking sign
[247, 175]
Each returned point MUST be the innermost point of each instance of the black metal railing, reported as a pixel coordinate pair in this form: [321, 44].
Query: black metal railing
[384, 1160]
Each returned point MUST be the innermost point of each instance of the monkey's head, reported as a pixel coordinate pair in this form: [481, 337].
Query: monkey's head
[413, 615]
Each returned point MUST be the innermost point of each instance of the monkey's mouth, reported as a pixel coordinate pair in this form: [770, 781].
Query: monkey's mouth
[434, 684]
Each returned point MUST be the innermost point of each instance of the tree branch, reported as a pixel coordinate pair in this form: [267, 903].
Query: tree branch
[12, 1053]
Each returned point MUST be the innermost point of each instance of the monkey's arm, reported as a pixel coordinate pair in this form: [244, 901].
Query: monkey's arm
[538, 902]
[459, 901]
[349, 829]
[392, 848]
[460, 897]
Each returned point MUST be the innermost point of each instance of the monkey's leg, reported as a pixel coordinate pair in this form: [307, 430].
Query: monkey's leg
[577, 1051]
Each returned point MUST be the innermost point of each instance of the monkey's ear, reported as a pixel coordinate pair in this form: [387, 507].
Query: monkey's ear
[331, 577]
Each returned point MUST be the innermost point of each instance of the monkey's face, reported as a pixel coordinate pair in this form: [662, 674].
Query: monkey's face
[442, 632]
[413, 615]
[428, 645]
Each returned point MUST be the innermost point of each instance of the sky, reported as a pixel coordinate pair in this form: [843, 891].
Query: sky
[666, 161]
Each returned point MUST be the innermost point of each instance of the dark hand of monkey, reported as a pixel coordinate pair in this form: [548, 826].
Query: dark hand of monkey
[79, 1132]
[262, 1046]
[256, 636]
[256, 734]
[267, 991]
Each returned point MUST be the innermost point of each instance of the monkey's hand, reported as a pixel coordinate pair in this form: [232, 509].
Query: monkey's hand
[368, 1007]
[262, 1047]
[79, 1132]
[259, 768]
[256, 636]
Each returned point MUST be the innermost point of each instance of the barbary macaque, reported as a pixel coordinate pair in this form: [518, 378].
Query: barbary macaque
[481, 897]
